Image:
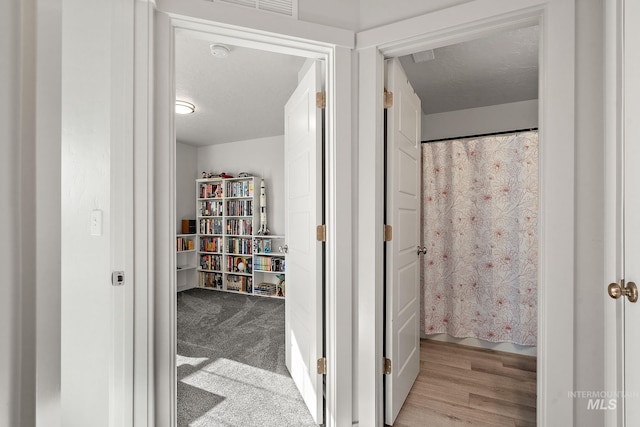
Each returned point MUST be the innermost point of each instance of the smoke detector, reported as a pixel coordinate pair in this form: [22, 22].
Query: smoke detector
[219, 51]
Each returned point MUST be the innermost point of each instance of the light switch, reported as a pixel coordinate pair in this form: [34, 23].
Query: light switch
[96, 222]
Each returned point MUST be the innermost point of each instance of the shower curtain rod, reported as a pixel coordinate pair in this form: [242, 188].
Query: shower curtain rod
[480, 135]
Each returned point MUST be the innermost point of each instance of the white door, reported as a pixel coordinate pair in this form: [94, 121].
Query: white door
[402, 310]
[303, 212]
[631, 158]
[623, 342]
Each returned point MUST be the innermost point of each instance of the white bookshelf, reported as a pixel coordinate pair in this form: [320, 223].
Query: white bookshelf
[186, 261]
[227, 216]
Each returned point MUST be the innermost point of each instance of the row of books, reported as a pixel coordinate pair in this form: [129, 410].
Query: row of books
[270, 289]
[210, 208]
[239, 264]
[210, 226]
[239, 245]
[268, 264]
[183, 244]
[239, 283]
[211, 244]
[211, 262]
[210, 190]
[240, 227]
[210, 280]
[240, 207]
[240, 188]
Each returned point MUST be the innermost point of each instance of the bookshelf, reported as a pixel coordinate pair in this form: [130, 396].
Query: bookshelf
[227, 211]
[186, 261]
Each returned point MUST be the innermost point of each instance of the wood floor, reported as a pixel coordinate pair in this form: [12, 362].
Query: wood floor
[465, 386]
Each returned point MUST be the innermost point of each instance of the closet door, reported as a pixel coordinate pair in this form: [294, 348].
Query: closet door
[402, 309]
[303, 212]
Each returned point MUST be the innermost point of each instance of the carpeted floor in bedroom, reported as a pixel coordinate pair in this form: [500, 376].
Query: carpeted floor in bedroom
[231, 363]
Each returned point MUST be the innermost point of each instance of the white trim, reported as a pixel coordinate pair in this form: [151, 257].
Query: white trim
[251, 24]
[180, 16]
[555, 313]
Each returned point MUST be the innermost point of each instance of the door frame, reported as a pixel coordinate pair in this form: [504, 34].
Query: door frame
[556, 19]
[155, 166]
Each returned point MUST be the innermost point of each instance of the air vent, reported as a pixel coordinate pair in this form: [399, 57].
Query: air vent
[280, 7]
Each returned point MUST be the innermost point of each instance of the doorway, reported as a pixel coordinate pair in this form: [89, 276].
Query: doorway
[473, 209]
[373, 51]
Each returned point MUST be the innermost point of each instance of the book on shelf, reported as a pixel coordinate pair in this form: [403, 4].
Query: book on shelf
[239, 245]
[239, 264]
[239, 283]
[184, 244]
[239, 227]
[210, 190]
[240, 188]
[211, 262]
[211, 244]
[240, 207]
[210, 280]
[210, 208]
[210, 226]
[265, 263]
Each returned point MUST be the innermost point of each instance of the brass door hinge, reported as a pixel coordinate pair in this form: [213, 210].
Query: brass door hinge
[388, 233]
[321, 233]
[387, 366]
[321, 100]
[322, 366]
[388, 99]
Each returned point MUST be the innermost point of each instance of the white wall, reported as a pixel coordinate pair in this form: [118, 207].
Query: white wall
[263, 157]
[186, 174]
[476, 121]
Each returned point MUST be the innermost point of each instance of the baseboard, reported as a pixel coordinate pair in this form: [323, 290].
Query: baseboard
[475, 342]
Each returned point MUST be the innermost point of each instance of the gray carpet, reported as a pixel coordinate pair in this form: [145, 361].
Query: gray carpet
[231, 367]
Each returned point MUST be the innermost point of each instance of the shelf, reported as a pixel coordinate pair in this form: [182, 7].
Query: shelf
[278, 254]
[234, 273]
[268, 271]
[210, 271]
[188, 250]
[268, 236]
[211, 253]
[212, 198]
[186, 235]
[185, 268]
[209, 216]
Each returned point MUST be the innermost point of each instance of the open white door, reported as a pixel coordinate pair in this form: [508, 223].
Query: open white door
[631, 239]
[402, 317]
[303, 212]
[623, 204]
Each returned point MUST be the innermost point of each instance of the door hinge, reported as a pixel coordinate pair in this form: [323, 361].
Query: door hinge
[388, 233]
[321, 233]
[387, 366]
[388, 99]
[322, 366]
[321, 99]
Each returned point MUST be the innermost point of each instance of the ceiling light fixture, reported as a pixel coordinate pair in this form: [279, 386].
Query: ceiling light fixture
[219, 51]
[184, 107]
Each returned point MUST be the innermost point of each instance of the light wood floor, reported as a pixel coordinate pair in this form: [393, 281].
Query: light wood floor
[465, 386]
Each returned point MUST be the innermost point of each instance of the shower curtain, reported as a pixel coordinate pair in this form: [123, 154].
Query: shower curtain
[479, 224]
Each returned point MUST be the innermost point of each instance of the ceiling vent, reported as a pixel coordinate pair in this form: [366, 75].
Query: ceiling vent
[280, 7]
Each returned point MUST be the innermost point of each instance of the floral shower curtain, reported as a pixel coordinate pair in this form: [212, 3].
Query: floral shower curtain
[479, 222]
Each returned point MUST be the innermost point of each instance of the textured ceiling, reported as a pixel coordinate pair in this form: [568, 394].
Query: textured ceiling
[497, 69]
[242, 97]
[237, 98]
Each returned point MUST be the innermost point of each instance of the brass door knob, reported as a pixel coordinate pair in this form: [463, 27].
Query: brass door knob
[630, 290]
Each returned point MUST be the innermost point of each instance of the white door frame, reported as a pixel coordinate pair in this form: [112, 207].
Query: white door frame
[154, 78]
[556, 227]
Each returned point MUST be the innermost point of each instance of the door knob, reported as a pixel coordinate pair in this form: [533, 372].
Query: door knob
[630, 290]
[421, 250]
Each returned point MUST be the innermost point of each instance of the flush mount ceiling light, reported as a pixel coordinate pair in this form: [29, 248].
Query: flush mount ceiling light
[219, 50]
[184, 107]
